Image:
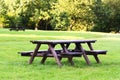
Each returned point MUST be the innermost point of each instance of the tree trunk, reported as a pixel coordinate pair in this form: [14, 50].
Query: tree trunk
[36, 27]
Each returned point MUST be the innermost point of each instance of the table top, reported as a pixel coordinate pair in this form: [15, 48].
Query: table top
[61, 41]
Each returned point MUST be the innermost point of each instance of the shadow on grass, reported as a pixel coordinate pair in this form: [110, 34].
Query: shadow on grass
[78, 63]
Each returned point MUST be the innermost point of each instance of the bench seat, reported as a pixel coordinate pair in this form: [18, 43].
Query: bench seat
[96, 52]
[41, 53]
[61, 54]
[73, 54]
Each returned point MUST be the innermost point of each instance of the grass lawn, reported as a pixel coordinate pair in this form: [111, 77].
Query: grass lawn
[15, 67]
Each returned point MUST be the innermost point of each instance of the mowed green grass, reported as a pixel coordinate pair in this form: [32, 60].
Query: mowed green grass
[15, 67]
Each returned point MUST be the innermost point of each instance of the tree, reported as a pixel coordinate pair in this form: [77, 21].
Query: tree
[107, 15]
[3, 11]
[13, 16]
[114, 19]
[77, 13]
[97, 15]
[101, 12]
[41, 13]
[82, 16]
[3, 8]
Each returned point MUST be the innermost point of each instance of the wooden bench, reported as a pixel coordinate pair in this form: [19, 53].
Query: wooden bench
[96, 52]
[41, 53]
[60, 54]
[69, 55]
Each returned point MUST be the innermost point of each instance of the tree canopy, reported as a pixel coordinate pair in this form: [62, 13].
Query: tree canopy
[87, 15]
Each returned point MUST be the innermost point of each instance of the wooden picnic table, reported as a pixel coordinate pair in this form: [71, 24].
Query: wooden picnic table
[64, 50]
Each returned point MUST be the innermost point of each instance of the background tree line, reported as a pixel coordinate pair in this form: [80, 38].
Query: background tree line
[75, 15]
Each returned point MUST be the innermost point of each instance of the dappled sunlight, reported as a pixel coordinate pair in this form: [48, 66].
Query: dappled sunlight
[41, 36]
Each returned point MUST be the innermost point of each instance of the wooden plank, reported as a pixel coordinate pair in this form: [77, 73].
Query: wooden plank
[79, 47]
[61, 41]
[34, 53]
[51, 48]
[96, 52]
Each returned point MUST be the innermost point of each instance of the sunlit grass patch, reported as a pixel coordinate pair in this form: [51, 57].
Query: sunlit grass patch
[40, 36]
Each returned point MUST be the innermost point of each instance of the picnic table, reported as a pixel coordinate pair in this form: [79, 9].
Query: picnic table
[64, 51]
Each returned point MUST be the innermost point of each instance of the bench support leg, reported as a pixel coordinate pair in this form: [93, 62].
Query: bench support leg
[60, 58]
[96, 58]
[43, 59]
[70, 60]
[51, 48]
[34, 54]
[79, 47]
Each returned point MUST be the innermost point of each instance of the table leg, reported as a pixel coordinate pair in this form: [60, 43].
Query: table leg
[90, 46]
[44, 59]
[34, 53]
[54, 54]
[83, 52]
[70, 60]
[65, 50]
[95, 56]
[85, 57]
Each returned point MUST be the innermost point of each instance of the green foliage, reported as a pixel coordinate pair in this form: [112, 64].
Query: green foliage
[114, 19]
[16, 15]
[60, 14]
[76, 15]
[82, 18]
[60, 21]
[41, 12]
[102, 16]
[3, 8]
[107, 16]
[78, 11]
